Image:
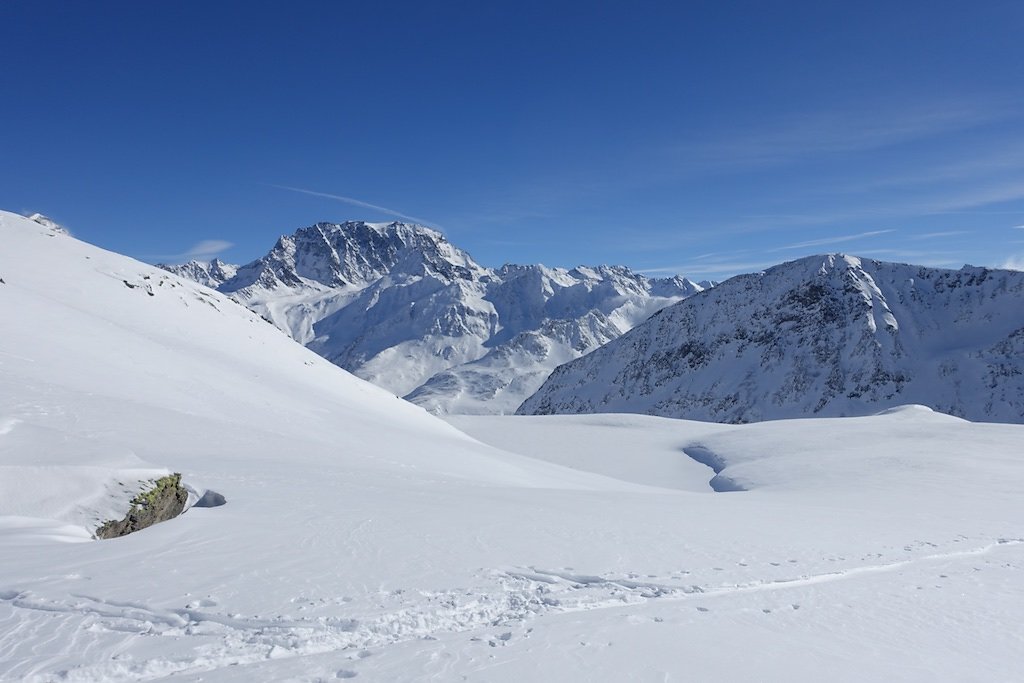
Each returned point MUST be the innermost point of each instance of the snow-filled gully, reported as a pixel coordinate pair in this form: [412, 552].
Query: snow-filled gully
[718, 483]
[520, 594]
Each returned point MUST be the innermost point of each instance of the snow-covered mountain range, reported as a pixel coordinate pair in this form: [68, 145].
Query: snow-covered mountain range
[210, 273]
[399, 305]
[355, 535]
[821, 336]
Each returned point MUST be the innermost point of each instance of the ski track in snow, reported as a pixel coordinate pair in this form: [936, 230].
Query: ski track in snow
[231, 640]
[647, 590]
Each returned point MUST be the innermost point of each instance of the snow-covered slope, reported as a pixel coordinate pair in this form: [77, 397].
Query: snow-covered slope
[361, 537]
[118, 372]
[825, 335]
[113, 335]
[399, 305]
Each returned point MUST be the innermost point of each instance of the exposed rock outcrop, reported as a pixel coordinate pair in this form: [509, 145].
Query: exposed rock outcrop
[166, 500]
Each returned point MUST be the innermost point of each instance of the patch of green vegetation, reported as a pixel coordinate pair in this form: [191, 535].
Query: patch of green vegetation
[164, 500]
[160, 489]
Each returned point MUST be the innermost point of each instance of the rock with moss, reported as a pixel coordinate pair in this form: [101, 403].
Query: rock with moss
[165, 500]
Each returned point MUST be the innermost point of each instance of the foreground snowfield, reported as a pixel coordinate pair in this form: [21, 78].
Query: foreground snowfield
[364, 538]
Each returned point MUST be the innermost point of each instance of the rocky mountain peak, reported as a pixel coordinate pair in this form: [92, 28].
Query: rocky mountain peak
[398, 304]
[353, 254]
[213, 273]
[823, 335]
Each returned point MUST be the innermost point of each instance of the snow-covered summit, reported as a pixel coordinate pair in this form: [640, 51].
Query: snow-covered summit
[212, 273]
[822, 335]
[350, 254]
[400, 305]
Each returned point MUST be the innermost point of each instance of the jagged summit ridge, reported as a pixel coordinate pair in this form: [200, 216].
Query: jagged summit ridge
[400, 305]
[823, 335]
[350, 254]
[211, 273]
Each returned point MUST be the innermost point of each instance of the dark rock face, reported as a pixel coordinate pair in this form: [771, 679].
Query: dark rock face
[353, 253]
[164, 501]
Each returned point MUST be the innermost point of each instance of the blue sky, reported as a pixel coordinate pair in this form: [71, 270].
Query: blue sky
[708, 139]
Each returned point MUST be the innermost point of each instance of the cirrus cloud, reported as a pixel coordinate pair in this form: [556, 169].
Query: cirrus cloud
[204, 250]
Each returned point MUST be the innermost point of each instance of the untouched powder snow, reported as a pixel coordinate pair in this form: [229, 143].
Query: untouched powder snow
[361, 537]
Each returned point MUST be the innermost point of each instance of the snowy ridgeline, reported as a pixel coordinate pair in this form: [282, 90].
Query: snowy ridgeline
[825, 335]
[833, 335]
[364, 538]
[399, 305]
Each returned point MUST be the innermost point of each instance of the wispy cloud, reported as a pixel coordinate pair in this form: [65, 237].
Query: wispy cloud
[1006, 191]
[697, 270]
[715, 265]
[960, 164]
[1014, 263]
[831, 240]
[1018, 212]
[965, 202]
[203, 250]
[508, 243]
[937, 235]
[834, 132]
[359, 203]
[207, 249]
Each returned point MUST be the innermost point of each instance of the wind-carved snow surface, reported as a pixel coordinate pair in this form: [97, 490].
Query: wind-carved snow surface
[399, 305]
[360, 537]
[825, 335]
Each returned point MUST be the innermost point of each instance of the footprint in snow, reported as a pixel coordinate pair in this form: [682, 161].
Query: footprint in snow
[203, 602]
[362, 654]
